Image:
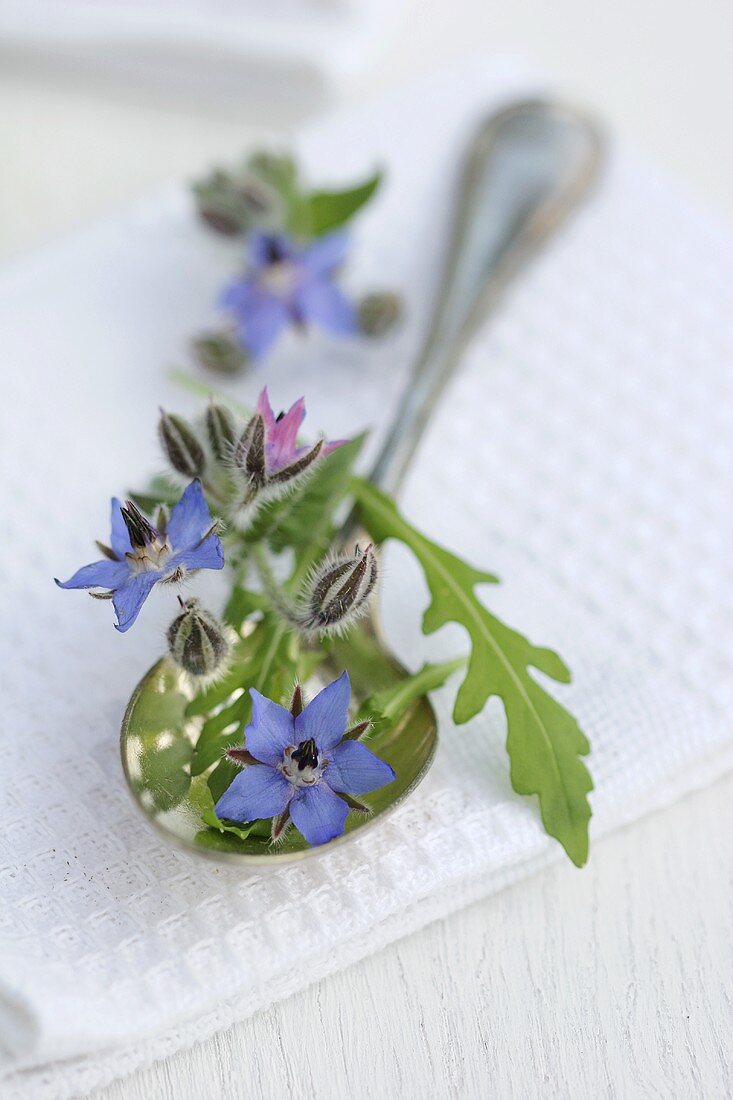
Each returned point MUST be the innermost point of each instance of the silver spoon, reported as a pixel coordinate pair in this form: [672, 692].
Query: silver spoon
[528, 168]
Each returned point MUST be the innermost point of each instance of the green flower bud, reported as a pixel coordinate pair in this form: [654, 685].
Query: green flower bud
[182, 448]
[233, 202]
[377, 314]
[220, 353]
[196, 641]
[338, 593]
[221, 430]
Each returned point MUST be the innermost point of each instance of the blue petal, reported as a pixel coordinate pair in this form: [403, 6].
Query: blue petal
[354, 769]
[237, 295]
[189, 520]
[262, 323]
[256, 792]
[100, 574]
[120, 538]
[322, 303]
[129, 598]
[318, 813]
[324, 719]
[270, 731]
[208, 555]
[326, 253]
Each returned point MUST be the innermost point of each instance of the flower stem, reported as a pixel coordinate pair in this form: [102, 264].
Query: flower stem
[277, 597]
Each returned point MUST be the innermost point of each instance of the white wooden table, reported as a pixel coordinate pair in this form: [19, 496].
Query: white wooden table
[611, 982]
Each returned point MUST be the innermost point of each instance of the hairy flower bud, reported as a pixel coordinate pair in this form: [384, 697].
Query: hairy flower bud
[378, 313]
[219, 352]
[196, 641]
[338, 592]
[232, 202]
[221, 430]
[182, 448]
[249, 454]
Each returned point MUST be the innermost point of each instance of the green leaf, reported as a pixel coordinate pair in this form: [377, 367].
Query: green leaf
[328, 210]
[389, 704]
[544, 741]
[265, 659]
[241, 604]
[242, 831]
[220, 732]
[217, 840]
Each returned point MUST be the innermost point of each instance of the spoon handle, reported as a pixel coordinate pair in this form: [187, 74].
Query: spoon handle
[528, 167]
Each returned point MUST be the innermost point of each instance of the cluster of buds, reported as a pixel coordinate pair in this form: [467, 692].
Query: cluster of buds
[235, 200]
[202, 451]
[197, 642]
[241, 468]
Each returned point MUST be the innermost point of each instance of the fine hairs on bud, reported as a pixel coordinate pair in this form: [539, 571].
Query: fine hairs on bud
[221, 430]
[338, 592]
[181, 445]
[196, 641]
[249, 462]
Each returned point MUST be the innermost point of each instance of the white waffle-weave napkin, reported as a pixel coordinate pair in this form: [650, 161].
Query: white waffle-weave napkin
[584, 453]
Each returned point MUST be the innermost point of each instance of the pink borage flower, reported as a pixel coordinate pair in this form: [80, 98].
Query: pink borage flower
[267, 454]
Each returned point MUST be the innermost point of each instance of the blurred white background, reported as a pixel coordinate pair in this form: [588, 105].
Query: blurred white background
[75, 145]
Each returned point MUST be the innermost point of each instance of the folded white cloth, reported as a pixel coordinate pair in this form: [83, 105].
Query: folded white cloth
[583, 452]
[231, 48]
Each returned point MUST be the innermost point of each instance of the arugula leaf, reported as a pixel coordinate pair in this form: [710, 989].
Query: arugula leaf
[328, 210]
[386, 706]
[544, 741]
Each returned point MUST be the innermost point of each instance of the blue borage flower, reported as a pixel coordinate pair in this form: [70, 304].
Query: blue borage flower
[303, 765]
[141, 555]
[287, 283]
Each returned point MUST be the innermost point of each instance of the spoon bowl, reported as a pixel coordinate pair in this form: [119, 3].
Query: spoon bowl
[158, 738]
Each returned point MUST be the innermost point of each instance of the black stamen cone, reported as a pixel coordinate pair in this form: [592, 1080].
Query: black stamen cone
[141, 531]
[306, 754]
[273, 251]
